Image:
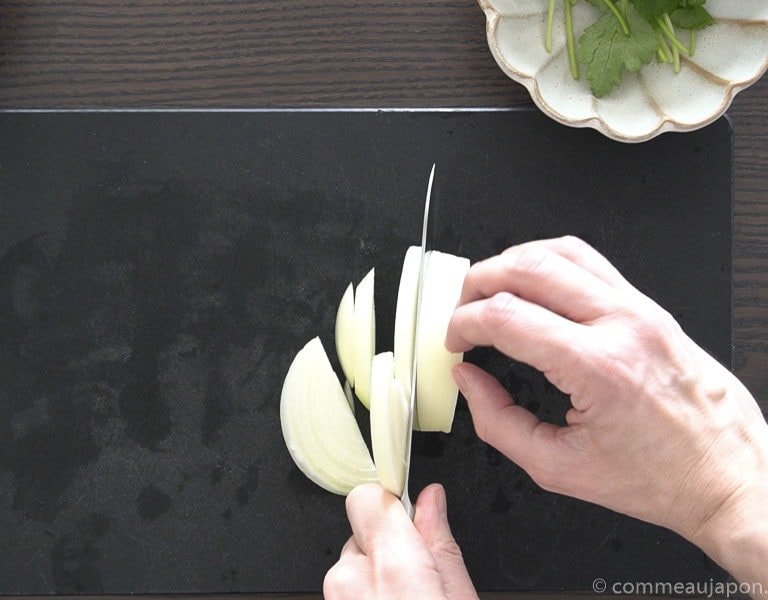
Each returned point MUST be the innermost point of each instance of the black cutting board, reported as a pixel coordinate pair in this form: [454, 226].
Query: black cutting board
[159, 270]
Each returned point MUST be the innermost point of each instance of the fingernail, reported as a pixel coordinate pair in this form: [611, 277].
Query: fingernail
[441, 504]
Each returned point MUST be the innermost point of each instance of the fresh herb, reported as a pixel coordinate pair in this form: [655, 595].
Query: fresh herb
[628, 35]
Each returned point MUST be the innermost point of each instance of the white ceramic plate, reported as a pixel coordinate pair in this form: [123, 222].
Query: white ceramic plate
[729, 56]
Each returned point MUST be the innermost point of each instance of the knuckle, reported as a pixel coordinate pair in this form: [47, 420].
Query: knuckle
[664, 325]
[653, 327]
[488, 426]
[530, 259]
[339, 579]
[475, 278]
[349, 501]
[388, 568]
[498, 311]
[574, 242]
[481, 428]
[394, 562]
[532, 256]
[448, 550]
[482, 422]
[360, 495]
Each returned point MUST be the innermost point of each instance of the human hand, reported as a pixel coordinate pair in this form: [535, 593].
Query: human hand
[658, 429]
[388, 556]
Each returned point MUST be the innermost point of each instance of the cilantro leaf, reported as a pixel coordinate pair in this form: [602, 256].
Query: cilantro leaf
[653, 9]
[692, 17]
[598, 4]
[608, 52]
[627, 35]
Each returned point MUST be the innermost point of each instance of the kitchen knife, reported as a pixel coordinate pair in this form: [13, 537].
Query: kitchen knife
[405, 499]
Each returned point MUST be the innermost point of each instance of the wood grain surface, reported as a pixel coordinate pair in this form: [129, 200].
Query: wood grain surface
[61, 54]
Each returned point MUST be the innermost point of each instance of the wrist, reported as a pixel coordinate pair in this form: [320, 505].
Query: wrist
[736, 534]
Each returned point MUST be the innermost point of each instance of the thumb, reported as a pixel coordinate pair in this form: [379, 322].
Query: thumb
[514, 431]
[431, 521]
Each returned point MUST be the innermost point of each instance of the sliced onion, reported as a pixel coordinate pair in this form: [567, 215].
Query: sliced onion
[436, 391]
[365, 337]
[316, 414]
[344, 334]
[318, 426]
[349, 396]
[389, 423]
[405, 316]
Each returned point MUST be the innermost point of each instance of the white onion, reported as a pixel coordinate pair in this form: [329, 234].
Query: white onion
[316, 414]
[344, 334]
[405, 316]
[436, 392]
[318, 426]
[389, 424]
[365, 337]
[349, 396]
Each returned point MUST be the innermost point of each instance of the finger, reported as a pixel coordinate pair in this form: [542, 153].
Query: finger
[351, 548]
[518, 328]
[372, 511]
[345, 579]
[431, 521]
[582, 254]
[543, 277]
[514, 431]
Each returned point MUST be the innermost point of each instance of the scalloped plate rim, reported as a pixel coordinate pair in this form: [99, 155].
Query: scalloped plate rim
[666, 124]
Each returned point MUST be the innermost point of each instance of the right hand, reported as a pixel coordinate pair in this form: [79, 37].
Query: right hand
[658, 429]
[388, 556]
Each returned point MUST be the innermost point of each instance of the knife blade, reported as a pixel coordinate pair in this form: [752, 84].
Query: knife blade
[405, 499]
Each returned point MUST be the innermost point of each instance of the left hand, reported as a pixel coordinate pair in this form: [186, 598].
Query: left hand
[388, 556]
[657, 428]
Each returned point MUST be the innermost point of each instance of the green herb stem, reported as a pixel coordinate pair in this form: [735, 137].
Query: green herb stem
[550, 24]
[571, 41]
[664, 51]
[676, 58]
[619, 17]
[665, 24]
[626, 35]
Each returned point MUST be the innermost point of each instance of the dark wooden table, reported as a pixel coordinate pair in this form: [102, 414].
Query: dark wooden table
[329, 53]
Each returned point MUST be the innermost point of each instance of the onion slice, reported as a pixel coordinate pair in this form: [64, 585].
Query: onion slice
[316, 413]
[405, 316]
[389, 423]
[365, 337]
[344, 334]
[319, 429]
[436, 392]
